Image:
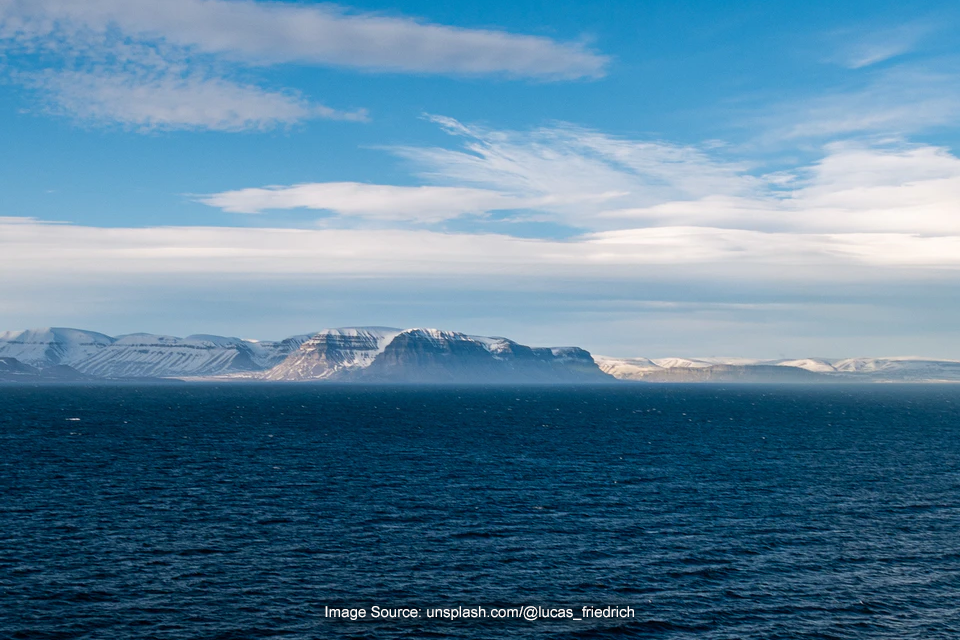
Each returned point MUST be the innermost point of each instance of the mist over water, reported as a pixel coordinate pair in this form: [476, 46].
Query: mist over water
[242, 511]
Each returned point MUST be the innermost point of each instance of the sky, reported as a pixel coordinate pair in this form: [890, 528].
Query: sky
[640, 178]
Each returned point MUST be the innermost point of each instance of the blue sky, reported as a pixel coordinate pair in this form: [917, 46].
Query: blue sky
[639, 178]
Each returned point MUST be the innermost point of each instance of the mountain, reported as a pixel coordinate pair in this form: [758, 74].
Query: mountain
[899, 369]
[12, 370]
[52, 345]
[144, 355]
[434, 356]
[418, 355]
[141, 354]
[269, 354]
[333, 353]
[905, 369]
[380, 354]
[350, 354]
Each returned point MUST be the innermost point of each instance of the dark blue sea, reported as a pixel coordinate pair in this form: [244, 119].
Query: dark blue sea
[247, 511]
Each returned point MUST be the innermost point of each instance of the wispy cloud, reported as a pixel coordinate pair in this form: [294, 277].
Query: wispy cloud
[859, 48]
[599, 183]
[280, 32]
[853, 188]
[380, 202]
[170, 101]
[898, 101]
[564, 174]
[573, 173]
[176, 63]
[30, 248]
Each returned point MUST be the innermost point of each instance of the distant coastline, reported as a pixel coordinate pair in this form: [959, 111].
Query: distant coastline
[375, 355]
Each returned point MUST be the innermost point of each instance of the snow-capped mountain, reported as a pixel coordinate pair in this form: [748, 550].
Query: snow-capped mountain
[52, 345]
[144, 355]
[333, 353]
[365, 354]
[383, 354]
[902, 368]
[378, 354]
[431, 355]
[898, 369]
[268, 354]
[141, 354]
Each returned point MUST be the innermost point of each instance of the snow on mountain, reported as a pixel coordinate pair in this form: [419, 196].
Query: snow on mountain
[145, 355]
[627, 368]
[898, 369]
[907, 369]
[733, 362]
[435, 356]
[816, 365]
[333, 352]
[52, 345]
[419, 354]
[681, 363]
[380, 354]
[269, 354]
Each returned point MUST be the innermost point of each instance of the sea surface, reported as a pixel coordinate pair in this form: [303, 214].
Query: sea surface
[249, 511]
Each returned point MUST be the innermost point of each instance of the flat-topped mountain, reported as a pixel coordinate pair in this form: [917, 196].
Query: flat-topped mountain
[333, 353]
[430, 355]
[143, 355]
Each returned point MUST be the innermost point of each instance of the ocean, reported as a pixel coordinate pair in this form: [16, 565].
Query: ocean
[629, 511]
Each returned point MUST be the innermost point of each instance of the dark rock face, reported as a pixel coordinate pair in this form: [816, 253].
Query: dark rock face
[430, 356]
[12, 370]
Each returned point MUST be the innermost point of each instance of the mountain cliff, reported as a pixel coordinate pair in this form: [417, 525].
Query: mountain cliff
[333, 353]
[434, 356]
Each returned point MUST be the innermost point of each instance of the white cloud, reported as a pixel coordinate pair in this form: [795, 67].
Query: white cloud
[382, 202]
[594, 182]
[172, 64]
[911, 189]
[563, 174]
[654, 292]
[279, 32]
[572, 173]
[172, 102]
[29, 249]
[566, 159]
